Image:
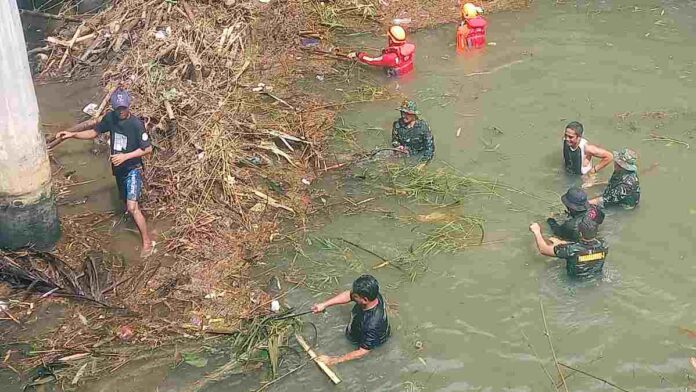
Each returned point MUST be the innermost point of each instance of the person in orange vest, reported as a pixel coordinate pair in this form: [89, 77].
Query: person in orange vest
[471, 33]
[396, 58]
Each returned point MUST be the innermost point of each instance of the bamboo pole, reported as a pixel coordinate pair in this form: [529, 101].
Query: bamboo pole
[553, 352]
[595, 377]
[334, 378]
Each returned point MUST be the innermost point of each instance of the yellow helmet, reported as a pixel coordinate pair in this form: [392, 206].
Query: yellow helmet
[397, 33]
[471, 11]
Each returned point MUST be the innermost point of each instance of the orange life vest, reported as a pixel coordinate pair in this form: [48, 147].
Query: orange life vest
[476, 36]
[404, 53]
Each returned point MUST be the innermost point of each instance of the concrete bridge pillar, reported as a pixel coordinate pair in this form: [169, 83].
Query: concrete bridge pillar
[27, 209]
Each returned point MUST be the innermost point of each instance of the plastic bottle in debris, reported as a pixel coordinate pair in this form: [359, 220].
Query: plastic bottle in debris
[401, 21]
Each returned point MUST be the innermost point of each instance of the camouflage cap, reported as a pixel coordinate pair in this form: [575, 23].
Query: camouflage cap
[627, 159]
[408, 106]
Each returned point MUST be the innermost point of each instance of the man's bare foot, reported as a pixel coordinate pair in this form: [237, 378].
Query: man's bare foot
[148, 250]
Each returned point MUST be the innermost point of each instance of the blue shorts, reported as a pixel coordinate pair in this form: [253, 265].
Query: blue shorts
[130, 184]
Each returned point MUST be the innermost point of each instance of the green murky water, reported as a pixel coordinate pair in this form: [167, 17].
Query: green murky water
[624, 70]
[473, 309]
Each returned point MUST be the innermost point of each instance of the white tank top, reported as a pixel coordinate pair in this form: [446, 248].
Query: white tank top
[584, 169]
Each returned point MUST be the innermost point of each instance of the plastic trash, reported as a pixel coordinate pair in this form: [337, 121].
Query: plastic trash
[401, 21]
[91, 109]
[309, 42]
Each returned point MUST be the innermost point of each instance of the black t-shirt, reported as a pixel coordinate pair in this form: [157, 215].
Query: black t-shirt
[369, 328]
[126, 136]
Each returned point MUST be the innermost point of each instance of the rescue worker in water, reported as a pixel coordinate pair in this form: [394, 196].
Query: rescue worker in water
[471, 33]
[396, 58]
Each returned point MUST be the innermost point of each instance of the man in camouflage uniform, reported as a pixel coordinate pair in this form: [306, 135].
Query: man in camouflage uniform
[578, 208]
[623, 188]
[411, 134]
[583, 257]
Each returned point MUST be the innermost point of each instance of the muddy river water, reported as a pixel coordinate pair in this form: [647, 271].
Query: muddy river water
[625, 70]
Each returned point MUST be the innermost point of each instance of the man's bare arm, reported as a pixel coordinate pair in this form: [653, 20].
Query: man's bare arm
[544, 248]
[342, 298]
[82, 135]
[140, 152]
[605, 156]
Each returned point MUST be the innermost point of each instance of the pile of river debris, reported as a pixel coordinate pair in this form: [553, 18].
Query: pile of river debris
[236, 146]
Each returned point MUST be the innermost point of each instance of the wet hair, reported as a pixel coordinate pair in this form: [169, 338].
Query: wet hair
[587, 228]
[366, 286]
[576, 127]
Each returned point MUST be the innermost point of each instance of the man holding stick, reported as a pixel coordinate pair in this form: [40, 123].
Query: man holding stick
[368, 327]
[129, 143]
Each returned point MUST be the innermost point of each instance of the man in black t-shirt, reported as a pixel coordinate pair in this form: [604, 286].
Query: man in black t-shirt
[369, 326]
[129, 143]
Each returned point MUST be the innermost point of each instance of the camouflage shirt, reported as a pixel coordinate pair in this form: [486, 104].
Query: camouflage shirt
[623, 189]
[418, 139]
[584, 257]
[568, 230]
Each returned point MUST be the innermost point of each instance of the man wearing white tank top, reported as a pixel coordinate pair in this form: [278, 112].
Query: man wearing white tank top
[578, 152]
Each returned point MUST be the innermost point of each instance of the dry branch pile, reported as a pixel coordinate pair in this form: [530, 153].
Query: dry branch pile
[210, 79]
[424, 14]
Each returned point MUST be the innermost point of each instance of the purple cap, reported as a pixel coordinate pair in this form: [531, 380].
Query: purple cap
[120, 99]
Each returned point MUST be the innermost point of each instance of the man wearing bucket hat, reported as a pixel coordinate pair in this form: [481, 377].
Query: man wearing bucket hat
[129, 143]
[577, 208]
[623, 188]
[411, 134]
[583, 257]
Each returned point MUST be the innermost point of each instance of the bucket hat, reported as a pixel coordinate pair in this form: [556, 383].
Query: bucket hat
[575, 199]
[408, 106]
[626, 158]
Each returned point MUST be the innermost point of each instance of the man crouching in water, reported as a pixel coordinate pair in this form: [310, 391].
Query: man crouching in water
[368, 327]
[411, 135]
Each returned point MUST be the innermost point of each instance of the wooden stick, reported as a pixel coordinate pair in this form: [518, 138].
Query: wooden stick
[271, 201]
[70, 45]
[553, 352]
[595, 377]
[541, 364]
[39, 50]
[170, 111]
[91, 48]
[241, 71]
[83, 126]
[334, 378]
[105, 100]
[7, 312]
[188, 11]
[364, 249]
[49, 16]
[165, 51]
[195, 61]
[56, 41]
